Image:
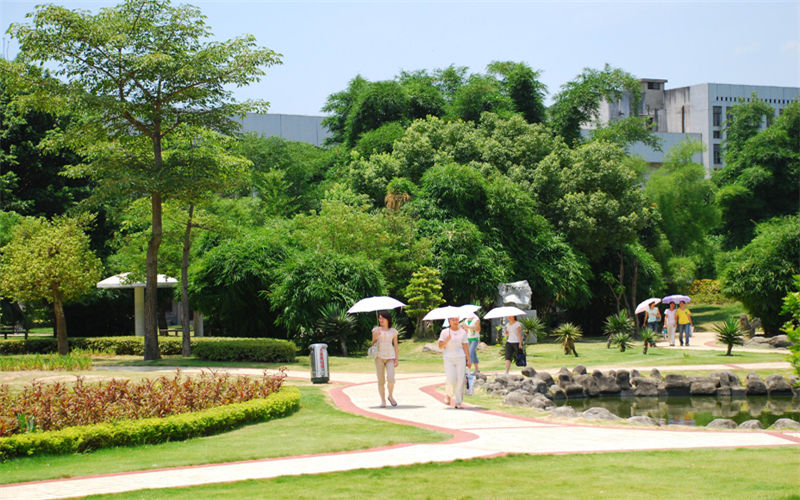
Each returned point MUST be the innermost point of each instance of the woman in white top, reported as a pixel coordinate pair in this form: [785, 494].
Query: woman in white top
[670, 323]
[385, 362]
[514, 341]
[453, 343]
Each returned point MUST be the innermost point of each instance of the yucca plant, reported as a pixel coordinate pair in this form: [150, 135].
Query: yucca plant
[617, 323]
[567, 334]
[648, 337]
[534, 327]
[622, 340]
[336, 324]
[729, 333]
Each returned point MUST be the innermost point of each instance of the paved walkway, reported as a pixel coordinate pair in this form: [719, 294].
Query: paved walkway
[476, 433]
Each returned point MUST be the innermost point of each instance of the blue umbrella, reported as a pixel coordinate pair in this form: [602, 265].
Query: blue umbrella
[676, 299]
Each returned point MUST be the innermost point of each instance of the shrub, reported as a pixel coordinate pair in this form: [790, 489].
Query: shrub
[791, 307]
[568, 334]
[729, 333]
[707, 291]
[262, 350]
[617, 323]
[622, 340]
[151, 430]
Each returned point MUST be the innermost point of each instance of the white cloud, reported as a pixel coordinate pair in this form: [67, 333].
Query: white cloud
[791, 46]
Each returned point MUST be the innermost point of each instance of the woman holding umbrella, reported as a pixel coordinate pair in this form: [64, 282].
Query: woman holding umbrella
[385, 338]
[453, 343]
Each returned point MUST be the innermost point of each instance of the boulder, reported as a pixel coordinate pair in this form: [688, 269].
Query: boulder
[579, 370]
[642, 420]
[573, 391]
[607, 385]
[480, 376]
[723, 392]
[545, 377]
[722, 423]
[785, 423]
[502, 379]
[623, 379]
[518, 398]
[676, 384]
[563, 379]
[557, 393]
[757, 341]
[727, 379]
[738, 392]
[563, 412]
[654, 373]
[703, 386]
[564, 369]
[645, 387]
[541, 402]
[778, 386]
[535, 385]
[528, 371]
[780, 341]
[599, 413]
[755, 386]
[597, 374]
[751, 424]
[589, 384]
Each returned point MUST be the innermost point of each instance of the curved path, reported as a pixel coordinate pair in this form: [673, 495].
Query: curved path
[476, 433]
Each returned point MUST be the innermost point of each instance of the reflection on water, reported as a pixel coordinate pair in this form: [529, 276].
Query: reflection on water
[697, 410]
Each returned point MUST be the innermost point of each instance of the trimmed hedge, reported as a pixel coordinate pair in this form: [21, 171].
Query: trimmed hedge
[151, 430]
[207, 348]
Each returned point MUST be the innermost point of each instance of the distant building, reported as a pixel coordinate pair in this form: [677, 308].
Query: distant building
[697, 109]
[300, 128]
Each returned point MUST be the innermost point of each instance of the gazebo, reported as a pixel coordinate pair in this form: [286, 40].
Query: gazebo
[121, 281]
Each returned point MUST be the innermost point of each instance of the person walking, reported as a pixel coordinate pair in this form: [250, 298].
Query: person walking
[685, 324]
[669, 323]
[472, 325]
[385, 338]
[514, 340]
[652, 317]
[455, 353]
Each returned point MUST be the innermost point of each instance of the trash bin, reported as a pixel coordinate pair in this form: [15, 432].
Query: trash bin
[319, 363]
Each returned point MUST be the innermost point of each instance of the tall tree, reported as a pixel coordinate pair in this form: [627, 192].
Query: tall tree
[51, 262]
[137, 73]
[522, 85]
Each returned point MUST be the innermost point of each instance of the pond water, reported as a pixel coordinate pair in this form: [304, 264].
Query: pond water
[697, 410]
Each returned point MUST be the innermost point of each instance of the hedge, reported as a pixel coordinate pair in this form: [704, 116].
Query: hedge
[207, 348]
[151, 430]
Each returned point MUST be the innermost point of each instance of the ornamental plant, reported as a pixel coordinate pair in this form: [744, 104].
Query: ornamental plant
[729, 333]
[568, 334]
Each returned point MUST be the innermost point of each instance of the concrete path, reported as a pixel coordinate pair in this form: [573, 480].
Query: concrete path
[476, 433]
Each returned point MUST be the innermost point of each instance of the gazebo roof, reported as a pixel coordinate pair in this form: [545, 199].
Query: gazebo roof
[120, 281]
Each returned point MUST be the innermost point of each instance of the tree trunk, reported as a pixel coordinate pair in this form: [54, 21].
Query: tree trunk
[61, 324]
[730, 346]
[186, 348]
[151, 350]
[343, 344]
[644, 351]
[634, 283]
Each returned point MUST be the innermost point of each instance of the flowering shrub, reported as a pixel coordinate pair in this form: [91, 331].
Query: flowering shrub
[56, 406]
[707, 291]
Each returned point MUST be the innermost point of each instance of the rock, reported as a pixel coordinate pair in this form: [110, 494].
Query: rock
[579, 370]
[635, 373]
[722, 423]
[785, 423]
[642, 420]
[564, 369]
[545, 377]
[755, 386]
[654, 373]
[751, 424]
[607, 385]
[623, 379]
[491, 387]
[723, 392]
[502, 379]
[432, 347]
[778, 386]
[557, 393]
[757, 341]
[599, 413]
[612, 374]
[589, 385]
[780, 341]
[563, 412]
[597, 374]
[518, 398]
[541, 402]
[480, 376]
[703, 386]
[563, 379]
[676, 384]
[573, 391]
[727, 379]
[645, 387]
[528, 371]
[738, 392]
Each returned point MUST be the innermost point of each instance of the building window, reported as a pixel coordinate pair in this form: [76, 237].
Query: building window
[717, 134]
[717, 155]
[653, 85]
[717, 121]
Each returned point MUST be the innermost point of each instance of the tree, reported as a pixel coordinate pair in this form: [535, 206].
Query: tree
[617, 323]
[521, 84]
[136, 74]
[377, 103]
[568, 334]
[339, 105]
[791, 308]
[579, 100]
[423, 293]
[760, 274]
[49, 261]
[478, 95]
[730, 333]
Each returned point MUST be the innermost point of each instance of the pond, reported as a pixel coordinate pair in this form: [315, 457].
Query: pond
[697, 410]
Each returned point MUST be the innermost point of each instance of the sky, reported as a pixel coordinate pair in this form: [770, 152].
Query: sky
[324, 44]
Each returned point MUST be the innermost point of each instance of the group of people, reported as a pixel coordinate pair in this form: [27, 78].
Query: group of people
[675, 319]
[459, 345]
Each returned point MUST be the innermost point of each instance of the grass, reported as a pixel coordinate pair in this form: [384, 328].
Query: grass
[705, 316]
[653, 474]
[293, 435]
[48, 362]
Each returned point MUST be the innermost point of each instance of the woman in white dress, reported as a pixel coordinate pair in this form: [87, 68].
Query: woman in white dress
[385, 337]
[455, 353]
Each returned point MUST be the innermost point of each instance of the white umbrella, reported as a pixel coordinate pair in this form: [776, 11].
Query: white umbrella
[502, 312]
[644, 306]
[375, 304]
[443, 313]
[467, 310]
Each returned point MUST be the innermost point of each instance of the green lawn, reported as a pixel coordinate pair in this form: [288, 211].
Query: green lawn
[316, 428]
[728, 474]
[705, 316]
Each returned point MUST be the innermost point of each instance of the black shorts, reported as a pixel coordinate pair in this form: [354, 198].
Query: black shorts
[511, 350]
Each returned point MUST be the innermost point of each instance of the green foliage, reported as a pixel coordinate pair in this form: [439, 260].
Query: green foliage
[258, 350]
[480, 94]
[760, 274]
[791, 308]
[520, 83]
[568, 334]
[648, 338]
[151, 430]
[535, 327]
[617, 323]
[622, 340]
[457, 190]
[335, 325]
[377, 103]
[627, 132]
[76, 360]
[423, 293]
[729, 333]
[707, 291]
[380, 140]
[338, 105]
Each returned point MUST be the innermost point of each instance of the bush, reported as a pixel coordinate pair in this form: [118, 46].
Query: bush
[262, 350]
[151, 430]
[707, 291]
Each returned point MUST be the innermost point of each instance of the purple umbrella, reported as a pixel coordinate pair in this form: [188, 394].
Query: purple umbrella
[676, 299]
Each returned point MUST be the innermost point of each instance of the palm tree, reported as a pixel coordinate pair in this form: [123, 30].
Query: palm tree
[567, 334]
[649, 337]
[533, 326]
[729, 333]
[617, 323]
[621, 340]
[336, 324]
